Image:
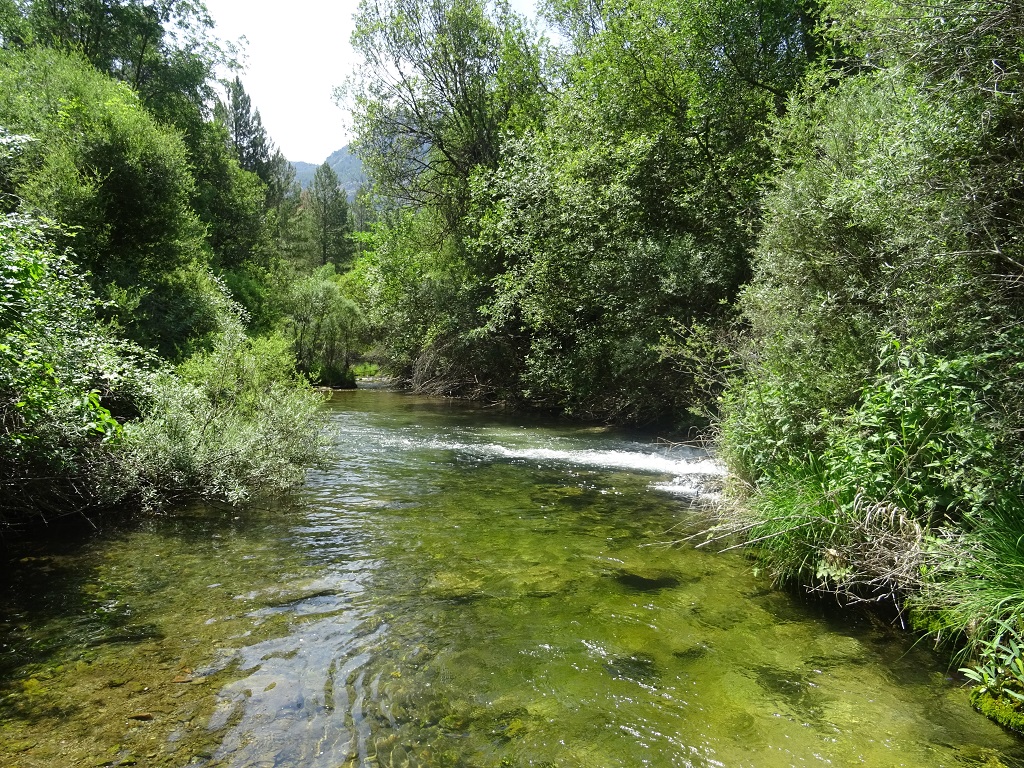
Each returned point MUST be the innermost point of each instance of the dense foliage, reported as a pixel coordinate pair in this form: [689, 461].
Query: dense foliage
[800, 220]
[798, 223]
[58, 374]
[150, 237]
[877, 422]
[559, 216]
[90, 420]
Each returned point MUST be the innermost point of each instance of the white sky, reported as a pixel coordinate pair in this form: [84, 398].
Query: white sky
[297, 53]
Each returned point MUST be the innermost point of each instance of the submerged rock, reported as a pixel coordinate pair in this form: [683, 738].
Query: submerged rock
[693, 653]
[638, 667]
[451, 585]
[647, 580]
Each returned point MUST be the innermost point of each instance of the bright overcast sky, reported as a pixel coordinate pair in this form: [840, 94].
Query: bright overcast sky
[297, 53]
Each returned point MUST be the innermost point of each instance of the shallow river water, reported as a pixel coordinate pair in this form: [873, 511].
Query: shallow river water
[461, 588]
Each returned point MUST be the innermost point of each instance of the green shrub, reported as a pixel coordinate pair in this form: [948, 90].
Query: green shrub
[61, 375]
[182, 311]
[233, 422]
[920, 450]
[88, 421]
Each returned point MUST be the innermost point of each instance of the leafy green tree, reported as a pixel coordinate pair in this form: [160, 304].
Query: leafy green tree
[631, 216]
[364, 215]
[162, 50]
[329, 221]
[579, 21]
[119, 177]
[280, 180]
[121, 184]
[229, 200]
[13, 25]
[324, 325]
[590, 291]
[440, 79]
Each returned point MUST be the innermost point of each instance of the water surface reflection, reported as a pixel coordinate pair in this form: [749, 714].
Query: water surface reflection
[461, 589]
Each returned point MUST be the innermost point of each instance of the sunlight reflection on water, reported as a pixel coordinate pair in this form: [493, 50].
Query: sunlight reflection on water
[502, 608]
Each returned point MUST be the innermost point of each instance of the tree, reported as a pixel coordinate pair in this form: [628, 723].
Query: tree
[631, 217]
[121, 184]
[230, 200]
[440, 80]
[163, 49]
[444, 79]
[119, 176]
[248, 137]
[877, 423]
[324, 325]
[328, 208]
[578, 20]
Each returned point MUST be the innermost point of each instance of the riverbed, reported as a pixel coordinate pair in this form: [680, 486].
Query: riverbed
[463, 587]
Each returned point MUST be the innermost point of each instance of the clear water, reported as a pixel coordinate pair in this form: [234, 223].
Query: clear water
[462, 588]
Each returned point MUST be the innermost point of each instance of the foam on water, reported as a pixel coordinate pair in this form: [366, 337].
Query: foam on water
[691, 469]
[630, 460]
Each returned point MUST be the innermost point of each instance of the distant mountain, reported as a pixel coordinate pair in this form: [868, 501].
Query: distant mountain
[344, 163]
[304, 172]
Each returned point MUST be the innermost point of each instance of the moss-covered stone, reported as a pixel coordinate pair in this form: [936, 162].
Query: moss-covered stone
[999, 709]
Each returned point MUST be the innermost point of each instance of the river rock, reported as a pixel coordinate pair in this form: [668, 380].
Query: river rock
[644, 579]
[452, 585]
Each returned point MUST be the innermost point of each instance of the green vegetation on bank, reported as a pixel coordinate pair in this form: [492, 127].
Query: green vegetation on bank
[554, 222]
[168, 296]
[877, 420]
[798, 222]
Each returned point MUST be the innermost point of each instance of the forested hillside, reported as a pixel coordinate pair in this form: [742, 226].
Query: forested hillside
[168, 293]
[797, 224]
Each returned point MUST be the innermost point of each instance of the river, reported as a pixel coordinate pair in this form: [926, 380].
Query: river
[462, 587]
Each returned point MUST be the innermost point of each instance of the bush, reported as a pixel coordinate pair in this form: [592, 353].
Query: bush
[181, 312]
[232, 422]
[61, 375]
[920, 454]
[88, 421]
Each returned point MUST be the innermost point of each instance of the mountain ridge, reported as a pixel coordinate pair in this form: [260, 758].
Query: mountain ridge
[345, 164]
